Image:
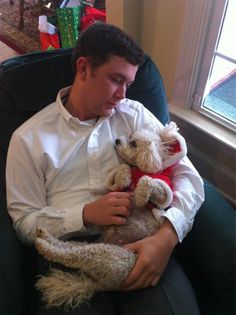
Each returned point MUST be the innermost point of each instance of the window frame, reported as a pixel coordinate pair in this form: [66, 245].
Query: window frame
[202, 23]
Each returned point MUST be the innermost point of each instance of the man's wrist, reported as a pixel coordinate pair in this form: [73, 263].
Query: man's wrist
[86, 211]
[168, 232]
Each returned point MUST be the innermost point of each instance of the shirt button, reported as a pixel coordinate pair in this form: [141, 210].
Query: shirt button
[94, 156]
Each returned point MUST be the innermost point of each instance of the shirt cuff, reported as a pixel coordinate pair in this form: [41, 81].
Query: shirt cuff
[178, 220]
[74, 220]
[74, 226]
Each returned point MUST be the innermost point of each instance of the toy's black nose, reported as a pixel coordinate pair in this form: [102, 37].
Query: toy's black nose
[117, 142]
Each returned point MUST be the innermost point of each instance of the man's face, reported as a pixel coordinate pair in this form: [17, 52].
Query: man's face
[106, 85]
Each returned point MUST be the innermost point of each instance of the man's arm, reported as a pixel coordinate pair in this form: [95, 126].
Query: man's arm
[154, 251]
[26, 197]
[188, 192]
[28, 207]
[153, 256]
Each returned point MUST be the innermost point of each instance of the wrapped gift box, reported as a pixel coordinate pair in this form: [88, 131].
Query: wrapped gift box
[69, 23]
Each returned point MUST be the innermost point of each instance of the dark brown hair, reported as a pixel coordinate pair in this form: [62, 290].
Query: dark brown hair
[100, 41]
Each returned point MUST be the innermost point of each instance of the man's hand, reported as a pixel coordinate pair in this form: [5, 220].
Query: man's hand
[153, 256]
[112, 208]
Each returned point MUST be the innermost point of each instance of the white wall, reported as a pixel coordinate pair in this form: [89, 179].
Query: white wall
[146, 21]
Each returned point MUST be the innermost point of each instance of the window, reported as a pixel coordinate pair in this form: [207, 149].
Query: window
[207, 61]
[218, 99]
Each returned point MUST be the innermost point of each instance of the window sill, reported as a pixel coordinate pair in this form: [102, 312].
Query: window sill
[205, 124]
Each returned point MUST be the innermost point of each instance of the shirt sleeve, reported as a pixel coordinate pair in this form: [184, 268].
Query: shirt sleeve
[188, 195]
[26, 197]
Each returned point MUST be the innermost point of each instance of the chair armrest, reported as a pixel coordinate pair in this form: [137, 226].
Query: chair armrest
[11, 279]
[211, 243]
[208, 251]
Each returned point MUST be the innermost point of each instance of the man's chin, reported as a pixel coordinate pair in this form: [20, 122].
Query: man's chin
[108, 112]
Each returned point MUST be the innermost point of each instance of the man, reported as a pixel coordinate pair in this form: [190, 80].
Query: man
[57, 163]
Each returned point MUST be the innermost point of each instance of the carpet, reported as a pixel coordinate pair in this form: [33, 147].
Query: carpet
[222, 99]
[22, 41]
[27, 39]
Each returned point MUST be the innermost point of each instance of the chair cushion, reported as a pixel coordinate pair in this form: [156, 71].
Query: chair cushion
[148, 89]
[11, 262]
[209, 250]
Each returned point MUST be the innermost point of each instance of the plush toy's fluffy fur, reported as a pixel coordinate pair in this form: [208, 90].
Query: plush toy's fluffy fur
[96, 267]
[152, 154]
[106, 264]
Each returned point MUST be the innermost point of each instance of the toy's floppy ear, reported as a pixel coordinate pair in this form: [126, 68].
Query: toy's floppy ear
[148, 160]
[175, 144]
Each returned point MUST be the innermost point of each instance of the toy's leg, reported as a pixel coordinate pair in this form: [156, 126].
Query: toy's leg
[43, 234]
[66, 289]
[110, 264]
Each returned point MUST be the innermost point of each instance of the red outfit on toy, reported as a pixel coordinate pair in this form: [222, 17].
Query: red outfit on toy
[176, 151]
[137, 174]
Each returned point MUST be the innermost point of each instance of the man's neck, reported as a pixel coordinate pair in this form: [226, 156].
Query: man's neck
[75, 112]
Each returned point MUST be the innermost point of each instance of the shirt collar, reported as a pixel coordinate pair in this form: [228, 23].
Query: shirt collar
[61, 97]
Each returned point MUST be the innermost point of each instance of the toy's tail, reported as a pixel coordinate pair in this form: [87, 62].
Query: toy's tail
[67, 290]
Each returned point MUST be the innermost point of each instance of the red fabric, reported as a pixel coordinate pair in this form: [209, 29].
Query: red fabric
[91, 15]
[49, 41]
[137, 174]
[175, 148]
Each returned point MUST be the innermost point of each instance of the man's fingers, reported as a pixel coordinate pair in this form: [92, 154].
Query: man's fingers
[122, 202]
[135, 274]
[118, 220]
[155, 280]
[137, 283]
[121, 194]
[143, 281]
[122, 211]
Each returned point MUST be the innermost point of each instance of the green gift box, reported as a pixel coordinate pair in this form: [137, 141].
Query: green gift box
[69, 23]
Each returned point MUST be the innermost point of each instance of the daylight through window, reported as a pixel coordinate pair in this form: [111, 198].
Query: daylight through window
[220, 94]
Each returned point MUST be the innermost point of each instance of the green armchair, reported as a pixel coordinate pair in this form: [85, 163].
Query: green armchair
[30, 82]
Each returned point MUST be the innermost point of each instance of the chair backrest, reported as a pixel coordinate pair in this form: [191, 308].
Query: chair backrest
[30, 82]
[27, 84]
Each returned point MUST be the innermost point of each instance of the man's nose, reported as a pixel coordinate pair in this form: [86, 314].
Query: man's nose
[121, 92]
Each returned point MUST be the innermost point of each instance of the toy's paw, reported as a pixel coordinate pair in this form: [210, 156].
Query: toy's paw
[143, 191]
[119, 178]
[123, 176]
[161, 195]
[42, 233]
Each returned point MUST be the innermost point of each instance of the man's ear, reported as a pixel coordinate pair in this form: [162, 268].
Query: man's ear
[82, 66]
[149, 160]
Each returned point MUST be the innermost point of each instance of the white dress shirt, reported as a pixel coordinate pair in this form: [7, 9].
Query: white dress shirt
[56, 164]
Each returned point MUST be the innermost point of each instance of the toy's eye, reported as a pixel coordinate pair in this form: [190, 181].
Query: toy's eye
[133, 144]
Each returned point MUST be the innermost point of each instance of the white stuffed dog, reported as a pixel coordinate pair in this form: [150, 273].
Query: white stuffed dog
[105, 265]
[149, 156]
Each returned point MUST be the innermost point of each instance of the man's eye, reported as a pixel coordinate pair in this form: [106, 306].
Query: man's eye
[133, 144]
[129, 84]
[117, 80]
